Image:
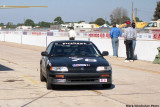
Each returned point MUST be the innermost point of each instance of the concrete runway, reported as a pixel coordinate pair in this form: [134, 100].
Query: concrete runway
[134, 84]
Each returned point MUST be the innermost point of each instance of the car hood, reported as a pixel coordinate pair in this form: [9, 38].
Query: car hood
[78, 61]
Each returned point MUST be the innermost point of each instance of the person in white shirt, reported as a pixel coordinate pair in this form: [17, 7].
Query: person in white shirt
[72, 34]
[129, 35]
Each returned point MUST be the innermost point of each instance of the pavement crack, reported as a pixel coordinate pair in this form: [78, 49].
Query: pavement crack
[37, 98]
[101, 94]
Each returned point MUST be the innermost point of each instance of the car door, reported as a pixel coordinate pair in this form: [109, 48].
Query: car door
[45, 59]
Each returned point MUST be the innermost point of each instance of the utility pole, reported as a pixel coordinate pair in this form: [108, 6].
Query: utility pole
[132, 10]
[135, 12]
[105, 19]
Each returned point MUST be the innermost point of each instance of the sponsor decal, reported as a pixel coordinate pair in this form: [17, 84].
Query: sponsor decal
[75, 58]
[90, 60]
[80, 65]
[74, 43]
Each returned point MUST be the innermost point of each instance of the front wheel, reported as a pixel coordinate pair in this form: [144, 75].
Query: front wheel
[106, 85]
[48, 85]
[42, 78]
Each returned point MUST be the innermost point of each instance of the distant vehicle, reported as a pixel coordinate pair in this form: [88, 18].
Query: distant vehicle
[79, 27]
[154, 26]
[74, 63]
[139, 25]
[24, 28]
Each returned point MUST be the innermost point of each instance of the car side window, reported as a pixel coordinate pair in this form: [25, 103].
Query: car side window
[49, 48]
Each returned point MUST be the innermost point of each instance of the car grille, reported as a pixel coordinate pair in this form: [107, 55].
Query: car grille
[85, 80]
[82, 69]
[82, 80]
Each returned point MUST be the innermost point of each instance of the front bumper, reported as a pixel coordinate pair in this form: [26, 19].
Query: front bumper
[80, 78]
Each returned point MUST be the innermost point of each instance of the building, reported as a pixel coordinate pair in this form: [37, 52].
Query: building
[24, 28]
[55, 27]
[79, 27]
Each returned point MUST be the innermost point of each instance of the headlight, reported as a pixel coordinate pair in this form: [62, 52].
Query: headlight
[104, 68]
[62, 69]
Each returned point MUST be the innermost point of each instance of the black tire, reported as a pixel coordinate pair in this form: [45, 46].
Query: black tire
[106, 85]
[42, 78]
[48, 85]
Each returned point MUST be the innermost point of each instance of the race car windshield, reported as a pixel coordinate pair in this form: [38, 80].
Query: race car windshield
[86, 50]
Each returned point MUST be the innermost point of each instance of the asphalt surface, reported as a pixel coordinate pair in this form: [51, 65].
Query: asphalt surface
[134, 84]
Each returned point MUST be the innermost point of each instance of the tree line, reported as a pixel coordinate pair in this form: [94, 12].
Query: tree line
[57, 21]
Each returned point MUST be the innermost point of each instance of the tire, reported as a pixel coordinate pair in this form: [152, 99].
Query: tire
[42, 78]
[106, 85]
[48, 85]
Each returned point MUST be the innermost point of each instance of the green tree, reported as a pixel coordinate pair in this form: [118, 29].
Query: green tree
[58, 20]
[138, 20]
[157, 11]
[124, 19]
[112, 19]
[20, 24]
[10, 25]
[91, 22]
[108, 23]
[1, 24]
[121, 20]
[44, 24]
[81, 21]
[29, 22]
[119, 15]
[100, 21]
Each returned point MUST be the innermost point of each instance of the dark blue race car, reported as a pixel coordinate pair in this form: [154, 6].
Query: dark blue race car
[74, 63]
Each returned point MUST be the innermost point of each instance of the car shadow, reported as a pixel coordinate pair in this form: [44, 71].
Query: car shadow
[4, 68]
[81, 87]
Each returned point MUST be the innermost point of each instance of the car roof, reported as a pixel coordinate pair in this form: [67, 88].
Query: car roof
[70, 41]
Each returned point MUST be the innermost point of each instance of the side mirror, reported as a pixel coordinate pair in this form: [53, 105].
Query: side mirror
[105, 53]
[44, 53]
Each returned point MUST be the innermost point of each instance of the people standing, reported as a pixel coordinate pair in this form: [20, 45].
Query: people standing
[114, 34]
[129, 35]
[134, 39]
[72, 34]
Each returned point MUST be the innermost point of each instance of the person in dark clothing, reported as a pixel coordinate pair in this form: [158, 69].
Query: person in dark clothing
[129, 35]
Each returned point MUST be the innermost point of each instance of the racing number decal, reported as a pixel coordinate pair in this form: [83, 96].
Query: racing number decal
[102, 80]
